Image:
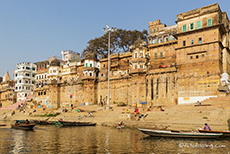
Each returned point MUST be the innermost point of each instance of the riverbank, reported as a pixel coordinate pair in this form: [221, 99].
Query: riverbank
[215, 112]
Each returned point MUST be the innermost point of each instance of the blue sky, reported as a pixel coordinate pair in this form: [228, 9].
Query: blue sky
[32, 30]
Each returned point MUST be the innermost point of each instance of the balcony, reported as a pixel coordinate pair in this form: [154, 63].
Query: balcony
[42, 71]
[73, 70]
[136, 60]
[140, 70]
[162, 43]
[114, 64]
[89, 69]
[46, 87]
[54, 82]
[23, 77]
[88, 78]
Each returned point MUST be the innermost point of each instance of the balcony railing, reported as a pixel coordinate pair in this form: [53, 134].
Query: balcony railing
[88, 77]
[139, 70]
[114, 64]
[89, 68]
[141, 59]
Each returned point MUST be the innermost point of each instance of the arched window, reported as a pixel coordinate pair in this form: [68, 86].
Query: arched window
[141, 54]
[135, 55]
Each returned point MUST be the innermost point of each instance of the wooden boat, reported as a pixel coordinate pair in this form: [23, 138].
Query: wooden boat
[23, 121]
[74, 123]
[225, 133]
[23, 126]
[44, 122]
[177, 134]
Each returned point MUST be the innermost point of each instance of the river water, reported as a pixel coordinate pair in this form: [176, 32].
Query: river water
[98, 139]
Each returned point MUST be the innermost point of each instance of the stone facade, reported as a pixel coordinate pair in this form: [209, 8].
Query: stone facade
[179, 64]
[7, 96]
[202, 52]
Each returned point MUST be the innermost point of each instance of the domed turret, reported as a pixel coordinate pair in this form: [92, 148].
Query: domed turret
[6, 77]
[55, 62]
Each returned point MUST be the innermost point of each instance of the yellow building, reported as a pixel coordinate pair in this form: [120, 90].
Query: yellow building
[179, 64]
[7, 96]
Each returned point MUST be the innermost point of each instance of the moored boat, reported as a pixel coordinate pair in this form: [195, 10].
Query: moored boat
[74, 123]
[225, 133]
[44, 122]
[23, 121]
[23, 126]
[177, 134]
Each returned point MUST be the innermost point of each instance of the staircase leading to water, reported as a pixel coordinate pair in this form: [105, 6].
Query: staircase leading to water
[15, 105]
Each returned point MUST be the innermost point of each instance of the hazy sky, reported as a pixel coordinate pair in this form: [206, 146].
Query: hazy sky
[32, 30]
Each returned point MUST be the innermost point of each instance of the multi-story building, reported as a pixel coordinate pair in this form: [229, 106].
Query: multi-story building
[69, 56]
[181, 63]
[41, 90]
[202, 52]
[7, 96]
[48, 71]
[24, 80]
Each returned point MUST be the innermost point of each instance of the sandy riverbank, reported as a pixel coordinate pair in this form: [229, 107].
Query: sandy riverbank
[177, 117]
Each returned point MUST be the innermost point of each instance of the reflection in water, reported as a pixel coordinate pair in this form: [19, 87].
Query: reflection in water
[48, 139]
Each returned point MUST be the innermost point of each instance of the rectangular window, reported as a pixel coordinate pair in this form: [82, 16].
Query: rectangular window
[161, 54]
[171, 37]
[86, 65]
[155, 55]
[209, 22]
[154, 40]
[150, 41]
[200, 40]
[192, 41]
[184, 28]
[184, 43]
[166, 38]
[141, 55]
[198, 24]
[191, 26]
[91, 65]
[159, 39]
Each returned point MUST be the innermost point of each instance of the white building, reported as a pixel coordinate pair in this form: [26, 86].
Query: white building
[24, 79]
[69, 55]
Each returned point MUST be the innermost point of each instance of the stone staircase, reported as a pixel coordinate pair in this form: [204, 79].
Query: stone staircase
[15, 105]
[188, 117]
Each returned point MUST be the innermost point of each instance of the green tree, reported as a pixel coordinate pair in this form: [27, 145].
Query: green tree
[120, 41]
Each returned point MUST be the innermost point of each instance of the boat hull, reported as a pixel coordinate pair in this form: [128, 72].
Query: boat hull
[44, 122]
[225, 133]
[76, 124]
[23, 126]
[161, 133]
